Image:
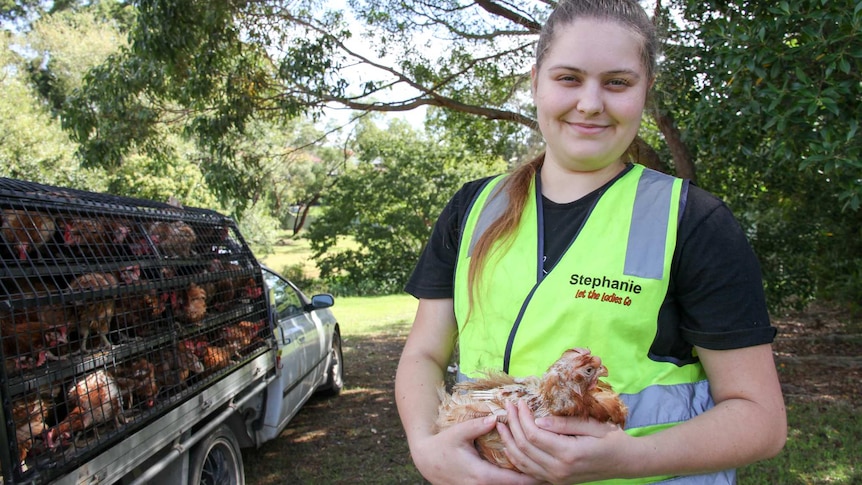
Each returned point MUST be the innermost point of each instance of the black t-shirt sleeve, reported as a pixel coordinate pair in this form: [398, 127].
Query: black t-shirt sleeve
[434, 274]
[717, 283]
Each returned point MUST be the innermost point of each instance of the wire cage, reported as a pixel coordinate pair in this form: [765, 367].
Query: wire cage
[113, 310]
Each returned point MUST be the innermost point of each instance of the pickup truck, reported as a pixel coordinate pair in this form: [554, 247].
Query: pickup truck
[143, 342]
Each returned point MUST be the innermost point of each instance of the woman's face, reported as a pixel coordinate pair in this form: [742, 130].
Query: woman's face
[590, 92]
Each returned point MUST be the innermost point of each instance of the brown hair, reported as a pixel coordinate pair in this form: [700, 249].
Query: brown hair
[517, 185]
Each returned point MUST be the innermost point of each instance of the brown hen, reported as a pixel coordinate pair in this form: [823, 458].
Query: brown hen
[26, 231]
[94, 400]
[28, 413]
[190, 305]
[28, 345]
[173, 239]
[570, 387]
[92, 237]
[243, 334]
[138, 380]
[175, 367]
[31, 337]
[219, 357]
[94, 315]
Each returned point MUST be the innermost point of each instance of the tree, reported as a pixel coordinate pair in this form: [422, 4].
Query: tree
[33, 145]
[762, 99]
[387, 204]
[768, 96]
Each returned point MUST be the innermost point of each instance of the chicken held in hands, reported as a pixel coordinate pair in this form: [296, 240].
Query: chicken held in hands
[570, 387]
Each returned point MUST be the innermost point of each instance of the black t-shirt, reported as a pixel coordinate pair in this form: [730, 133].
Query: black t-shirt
[715, 297]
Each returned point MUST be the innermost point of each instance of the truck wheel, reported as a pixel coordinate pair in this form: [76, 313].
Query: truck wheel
[335, 373]
[217, 460]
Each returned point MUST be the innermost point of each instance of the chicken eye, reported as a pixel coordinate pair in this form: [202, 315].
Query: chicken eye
[590, 370]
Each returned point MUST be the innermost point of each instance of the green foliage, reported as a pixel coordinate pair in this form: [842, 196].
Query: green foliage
[154, 179]
[32, 144]
[388, 203]
[259, 228]
[768, 96]
[68, 43]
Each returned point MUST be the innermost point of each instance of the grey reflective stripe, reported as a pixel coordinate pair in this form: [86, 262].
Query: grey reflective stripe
[726, 477]
[659, 404]
[494, 207]
[648, 230]
[461, 377]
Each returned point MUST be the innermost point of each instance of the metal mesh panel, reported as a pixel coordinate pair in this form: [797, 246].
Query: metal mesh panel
[113, 310]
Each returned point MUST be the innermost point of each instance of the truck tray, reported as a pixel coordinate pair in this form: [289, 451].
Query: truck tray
[113, 312]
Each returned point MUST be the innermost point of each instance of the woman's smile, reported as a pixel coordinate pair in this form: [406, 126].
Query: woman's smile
[590, 92]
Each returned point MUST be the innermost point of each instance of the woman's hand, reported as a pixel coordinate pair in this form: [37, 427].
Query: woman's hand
[557, 449]
[450, 457]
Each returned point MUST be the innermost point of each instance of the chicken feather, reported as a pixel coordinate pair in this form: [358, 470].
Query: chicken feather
[570, 387]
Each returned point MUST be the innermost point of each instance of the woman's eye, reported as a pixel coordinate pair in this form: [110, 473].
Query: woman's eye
[618, 82]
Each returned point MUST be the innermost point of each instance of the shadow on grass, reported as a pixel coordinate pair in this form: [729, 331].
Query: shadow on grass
[355, 437]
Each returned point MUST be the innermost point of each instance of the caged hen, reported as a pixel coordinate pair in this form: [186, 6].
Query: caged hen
[95, 237]
[94, 315]
[25, 232]
[570, 387]
[242, 334]
[189, 305]
[138, 379]
[93, 401]
[29, 415]
[32, 335]
[176, 366]
[173, 239]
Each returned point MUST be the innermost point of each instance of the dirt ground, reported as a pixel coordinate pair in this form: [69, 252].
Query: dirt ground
[357, 437]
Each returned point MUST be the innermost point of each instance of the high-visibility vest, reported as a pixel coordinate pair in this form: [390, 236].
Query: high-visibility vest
[604, 294]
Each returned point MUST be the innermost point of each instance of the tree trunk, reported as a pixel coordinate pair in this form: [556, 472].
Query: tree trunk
[682, 162]
[641, 152]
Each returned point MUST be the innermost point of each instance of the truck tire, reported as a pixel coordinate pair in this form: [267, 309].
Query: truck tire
[217, 460]
[335, 374]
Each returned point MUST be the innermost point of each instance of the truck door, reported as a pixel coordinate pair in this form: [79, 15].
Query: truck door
[296, 336]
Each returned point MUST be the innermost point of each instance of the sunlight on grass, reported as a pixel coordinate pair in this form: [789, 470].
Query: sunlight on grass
[365, 316]
[294, 251]
[819, 448]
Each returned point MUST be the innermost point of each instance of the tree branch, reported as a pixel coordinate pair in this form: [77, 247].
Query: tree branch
[501, 11]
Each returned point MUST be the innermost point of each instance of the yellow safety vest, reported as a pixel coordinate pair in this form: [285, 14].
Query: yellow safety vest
[603, 294]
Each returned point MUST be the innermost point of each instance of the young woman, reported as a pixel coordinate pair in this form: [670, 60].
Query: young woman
[580, 248]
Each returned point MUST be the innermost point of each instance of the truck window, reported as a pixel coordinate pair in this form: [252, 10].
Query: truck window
[284, 298]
